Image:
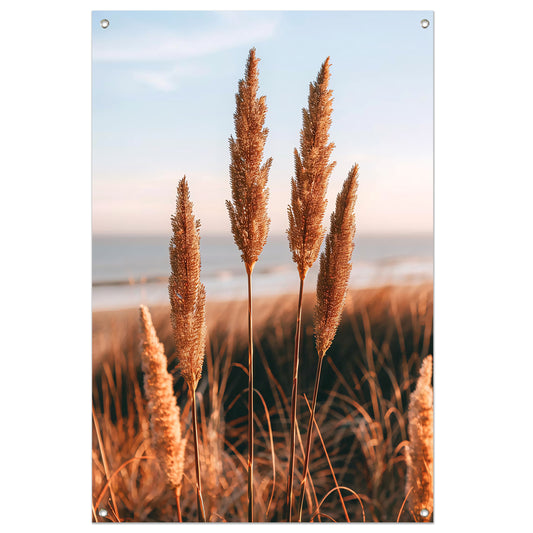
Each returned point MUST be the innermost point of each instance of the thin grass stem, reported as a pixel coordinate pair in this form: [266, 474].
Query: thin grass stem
[309, 436]
[250, 402]
[177, 491]
[331, 469]
[294, 399]
[199, 500]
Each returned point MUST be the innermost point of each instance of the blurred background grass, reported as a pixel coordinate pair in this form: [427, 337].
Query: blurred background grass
[367, 377]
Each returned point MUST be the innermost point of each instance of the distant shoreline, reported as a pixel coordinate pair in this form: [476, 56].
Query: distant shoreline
[127, 271]
[262, 299]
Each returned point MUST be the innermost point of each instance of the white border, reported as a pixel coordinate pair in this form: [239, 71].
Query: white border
[483, 265]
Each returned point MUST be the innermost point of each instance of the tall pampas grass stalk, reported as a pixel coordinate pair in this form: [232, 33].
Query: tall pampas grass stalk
[187, 300]
[332, 285]
[248, 211]
[306, 214]
[162, 409]
[419, 481]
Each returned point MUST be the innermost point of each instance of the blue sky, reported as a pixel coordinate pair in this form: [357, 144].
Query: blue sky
[164, 88]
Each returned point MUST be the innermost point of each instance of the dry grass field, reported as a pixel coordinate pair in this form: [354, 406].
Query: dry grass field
[357, 466]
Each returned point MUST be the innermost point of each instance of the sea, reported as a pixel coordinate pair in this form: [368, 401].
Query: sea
[132, 270]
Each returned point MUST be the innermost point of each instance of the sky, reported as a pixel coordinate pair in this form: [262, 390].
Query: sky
[164, 87]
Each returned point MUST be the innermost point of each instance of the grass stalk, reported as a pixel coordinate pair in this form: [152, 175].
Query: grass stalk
[250, 402]
[177, 491]
[187, 299]
[294, 399]
[333, 471]
[248, 208]
[332, 283]
[309, 437]
[199, 499]
[306, 212]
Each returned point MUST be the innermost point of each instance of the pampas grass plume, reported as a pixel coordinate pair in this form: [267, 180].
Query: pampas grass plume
[419, 484]
[312, 170]
[162, 408]
[306, 213]
[335, 265]
[248, 211]
[186, 292]
[187, 314]
[332, 284]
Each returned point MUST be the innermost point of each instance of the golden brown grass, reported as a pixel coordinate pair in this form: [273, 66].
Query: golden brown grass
[306, 213]
[312, 170]
[335, 265]
[162, 409]
[419, 457]
[248, 211]
[187, 293]
[332, 284]
[187, 300]
[361, 412]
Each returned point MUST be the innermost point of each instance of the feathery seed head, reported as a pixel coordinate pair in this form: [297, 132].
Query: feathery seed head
[312, 171]
[248, 211]
[187, 293]
[162, 408]
[335, 265]
[419, 482]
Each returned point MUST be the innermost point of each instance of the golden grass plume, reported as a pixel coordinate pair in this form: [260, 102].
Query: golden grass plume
[332, 285]
[306, 213]
[187, 293]
[163, 411]
[419, 482]
[248, 211]
[312, 170]
[335, 265]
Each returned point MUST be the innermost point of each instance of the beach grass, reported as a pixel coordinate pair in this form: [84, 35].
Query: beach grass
[358, 462]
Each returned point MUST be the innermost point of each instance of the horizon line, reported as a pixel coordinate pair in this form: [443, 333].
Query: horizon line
[273, 234]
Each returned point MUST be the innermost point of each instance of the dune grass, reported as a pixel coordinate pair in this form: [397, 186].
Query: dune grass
[248, 210]
[358, 463]
[306, 211]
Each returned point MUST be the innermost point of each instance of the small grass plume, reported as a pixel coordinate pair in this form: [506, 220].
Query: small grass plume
[162, 409]
[306, 213]
[248, 212]
[332, 285]
[187, 293]
[335, 265]
[187, 299]
[419, 458]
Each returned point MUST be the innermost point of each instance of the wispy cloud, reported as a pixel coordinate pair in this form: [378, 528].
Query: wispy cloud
[166, 79]
[161, 45]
